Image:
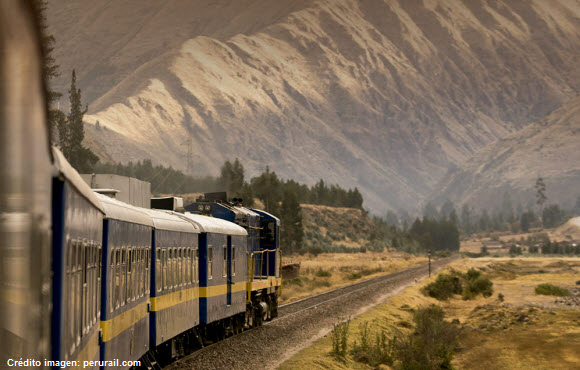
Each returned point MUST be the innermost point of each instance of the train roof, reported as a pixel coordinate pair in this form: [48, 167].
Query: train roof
[172, 222]
[215, 225]
[117, 210]
[65, 170]
[260, 212]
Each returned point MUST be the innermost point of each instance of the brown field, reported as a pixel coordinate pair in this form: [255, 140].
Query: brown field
[343, 268]
[524, 331]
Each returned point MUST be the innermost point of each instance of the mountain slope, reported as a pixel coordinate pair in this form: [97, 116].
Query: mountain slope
[549, 148]
[383, 95]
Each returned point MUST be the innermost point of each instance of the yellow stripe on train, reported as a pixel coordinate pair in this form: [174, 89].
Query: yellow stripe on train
[217, 290]
[172, 299]
[120, 323]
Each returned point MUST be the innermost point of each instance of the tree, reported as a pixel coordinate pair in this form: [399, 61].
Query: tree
[507, 208]
[446, 209]
[453, 217]
[430, 212]
[232, 177]
[540, 188]
[466, 219]
[72, 132]
[526, 220]
[355, 199]
[267, 188]
[392, 219]
[49, 66]
[552, 216]
[292, 234]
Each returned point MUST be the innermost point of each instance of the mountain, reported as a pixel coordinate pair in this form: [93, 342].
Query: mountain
[386, 95]
[549, 149]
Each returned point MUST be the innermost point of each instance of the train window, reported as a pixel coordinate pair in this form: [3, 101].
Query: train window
[188, 267]
[123, 286]
[268, 232]
[99, 269]
[164, 262]
[117, 278]
[84, 273]
[70, 282]
[171, 268]
[196, 267]
[142, 281]
[158, 269]
[192, 265]
[129, 286]
[91, 283]
[184, 267]
[79, 291]
[175, 268]
[225, 264]
[209, 262]
[136, 276]
[111, 287]
[145, 281]
[148, 269]
[233, 260]
[179, 267]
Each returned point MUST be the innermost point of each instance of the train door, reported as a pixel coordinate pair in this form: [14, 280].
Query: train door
[229, 270]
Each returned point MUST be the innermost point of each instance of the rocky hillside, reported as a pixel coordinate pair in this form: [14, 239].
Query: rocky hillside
[549, 148]
[383, 95]
[336, 227]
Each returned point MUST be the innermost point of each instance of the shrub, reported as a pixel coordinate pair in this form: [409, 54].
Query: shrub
[339, 336]
[481, 285]
[295, 281]
[500, 297]
[323, 273]
[469, 285]
[473, 274]
[381, 352]
[432, 344]
[354, 276]
[549, 289]
[444, 287]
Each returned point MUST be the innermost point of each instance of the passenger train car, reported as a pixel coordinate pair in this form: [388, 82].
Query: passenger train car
[87, 280]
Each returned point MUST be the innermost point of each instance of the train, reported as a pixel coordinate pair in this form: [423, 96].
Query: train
[89, 281]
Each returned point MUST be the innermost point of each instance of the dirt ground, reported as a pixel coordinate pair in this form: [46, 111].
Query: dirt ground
[330, 270]
[524, 330]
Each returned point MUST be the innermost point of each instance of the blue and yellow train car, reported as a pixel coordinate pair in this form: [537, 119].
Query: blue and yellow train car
[127, 234]
[223, 261]
[174, 287]
[77, 265]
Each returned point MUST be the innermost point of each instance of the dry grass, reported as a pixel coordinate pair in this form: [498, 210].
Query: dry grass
[525, 331]
[343, 268]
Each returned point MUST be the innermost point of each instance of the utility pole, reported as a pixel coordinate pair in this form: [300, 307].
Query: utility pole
[429, 255]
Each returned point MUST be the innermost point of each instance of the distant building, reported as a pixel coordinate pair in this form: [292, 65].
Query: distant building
[129, 190]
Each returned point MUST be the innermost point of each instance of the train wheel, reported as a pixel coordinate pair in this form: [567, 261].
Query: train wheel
[269, 309]
[250, 317]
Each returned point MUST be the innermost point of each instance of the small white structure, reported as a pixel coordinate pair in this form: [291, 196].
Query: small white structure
[130, 190]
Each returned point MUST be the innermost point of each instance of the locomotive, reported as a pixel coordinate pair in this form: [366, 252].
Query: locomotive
[87, 280]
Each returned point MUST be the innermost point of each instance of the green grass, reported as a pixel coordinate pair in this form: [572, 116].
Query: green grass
[549, 289]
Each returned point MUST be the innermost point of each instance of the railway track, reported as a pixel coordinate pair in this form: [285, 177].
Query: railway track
[297, 322]
[317, 299]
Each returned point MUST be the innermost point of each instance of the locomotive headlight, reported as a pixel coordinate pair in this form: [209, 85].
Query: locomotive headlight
[200, 207]
[207, 208]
